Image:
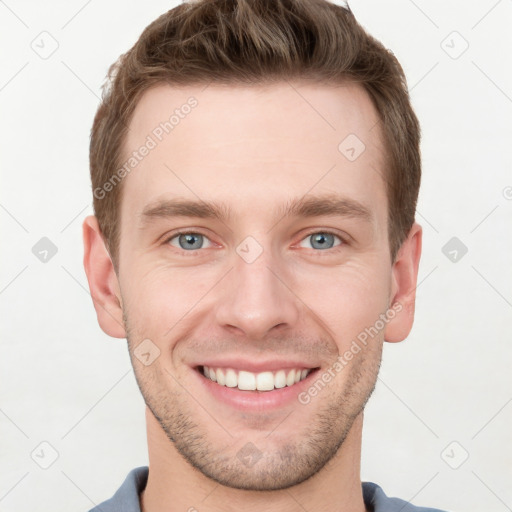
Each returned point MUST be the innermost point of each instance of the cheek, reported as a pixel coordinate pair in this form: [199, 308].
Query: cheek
[160, 298]
[350, 299]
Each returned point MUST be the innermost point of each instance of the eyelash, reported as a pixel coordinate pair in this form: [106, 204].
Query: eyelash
[197, 251]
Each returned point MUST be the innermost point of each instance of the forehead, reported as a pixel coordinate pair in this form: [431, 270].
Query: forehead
[253, 147]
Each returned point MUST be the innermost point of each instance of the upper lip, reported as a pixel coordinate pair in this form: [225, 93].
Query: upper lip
[255, 366]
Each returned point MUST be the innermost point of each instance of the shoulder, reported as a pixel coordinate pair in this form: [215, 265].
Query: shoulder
[126, 498]
[376, 500]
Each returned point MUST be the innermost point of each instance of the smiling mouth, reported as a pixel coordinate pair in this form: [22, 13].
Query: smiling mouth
[261, 382]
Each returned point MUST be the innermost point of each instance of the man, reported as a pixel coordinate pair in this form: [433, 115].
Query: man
[255, 168]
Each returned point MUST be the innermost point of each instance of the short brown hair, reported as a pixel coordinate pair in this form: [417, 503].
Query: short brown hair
[248, 42]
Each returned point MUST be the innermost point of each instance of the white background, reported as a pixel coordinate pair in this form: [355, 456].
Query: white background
[66, 383]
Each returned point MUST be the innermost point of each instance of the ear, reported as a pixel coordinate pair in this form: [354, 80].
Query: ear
[103, 282]
[403, 286]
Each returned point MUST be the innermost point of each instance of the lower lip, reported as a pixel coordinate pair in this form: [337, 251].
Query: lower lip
[256, 401]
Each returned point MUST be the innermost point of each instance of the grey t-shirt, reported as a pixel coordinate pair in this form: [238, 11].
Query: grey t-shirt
[126, 499]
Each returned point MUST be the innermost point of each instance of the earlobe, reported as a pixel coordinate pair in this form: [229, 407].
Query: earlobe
[103, 282]
[403, 287]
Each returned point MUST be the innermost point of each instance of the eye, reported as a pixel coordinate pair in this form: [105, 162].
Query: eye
[322, 240]
[188, 241]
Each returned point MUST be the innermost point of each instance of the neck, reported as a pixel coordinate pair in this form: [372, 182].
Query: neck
[174, 485]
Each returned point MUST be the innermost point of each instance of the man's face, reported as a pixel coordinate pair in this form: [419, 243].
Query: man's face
[259, 288]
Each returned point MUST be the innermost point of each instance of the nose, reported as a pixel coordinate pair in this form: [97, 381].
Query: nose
[257, 298]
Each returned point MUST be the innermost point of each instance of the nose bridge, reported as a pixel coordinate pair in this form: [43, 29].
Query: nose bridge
[255, 300]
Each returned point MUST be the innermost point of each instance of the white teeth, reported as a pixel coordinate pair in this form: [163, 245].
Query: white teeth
[264, 381]
[221, 379]
[248, 381]
[231, 380]
[280, 379]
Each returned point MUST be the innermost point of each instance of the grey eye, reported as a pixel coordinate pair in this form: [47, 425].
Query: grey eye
[188, 241]
[322, 240]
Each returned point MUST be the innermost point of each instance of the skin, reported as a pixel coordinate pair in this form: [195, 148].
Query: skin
[254, 148]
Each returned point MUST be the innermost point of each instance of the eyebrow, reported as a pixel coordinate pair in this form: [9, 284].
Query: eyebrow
[305, 207]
